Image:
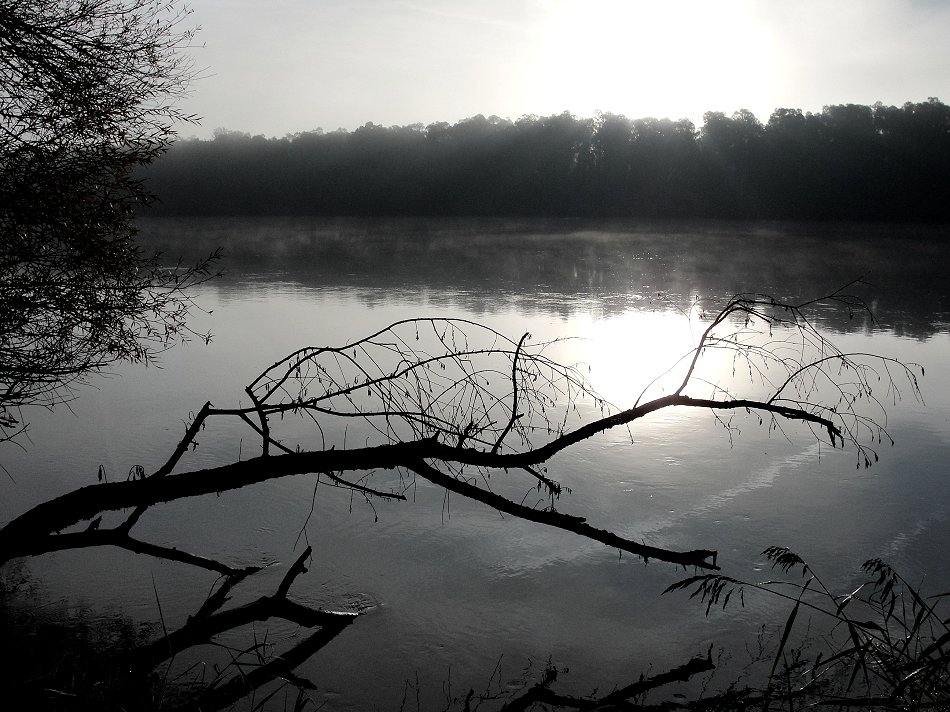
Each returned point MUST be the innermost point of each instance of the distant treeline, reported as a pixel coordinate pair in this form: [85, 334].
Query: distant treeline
[847, 162]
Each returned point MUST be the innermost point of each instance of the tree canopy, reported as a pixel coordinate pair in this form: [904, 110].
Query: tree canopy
[846, 162]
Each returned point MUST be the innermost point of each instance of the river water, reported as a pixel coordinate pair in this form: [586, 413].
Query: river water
[449, 589]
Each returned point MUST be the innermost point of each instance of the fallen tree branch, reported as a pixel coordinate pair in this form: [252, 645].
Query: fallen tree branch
[541, 693]
[29, 534]
[699, 558]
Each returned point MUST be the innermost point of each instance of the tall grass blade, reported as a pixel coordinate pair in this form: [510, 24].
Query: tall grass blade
[788, 629]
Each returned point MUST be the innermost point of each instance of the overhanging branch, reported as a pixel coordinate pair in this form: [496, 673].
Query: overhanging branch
[31, 532]
[700, 558]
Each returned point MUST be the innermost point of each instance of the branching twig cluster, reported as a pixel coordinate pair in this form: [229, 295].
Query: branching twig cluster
[796, 372]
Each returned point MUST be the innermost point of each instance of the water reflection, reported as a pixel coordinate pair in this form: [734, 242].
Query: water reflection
[455, 584]
[487, 266]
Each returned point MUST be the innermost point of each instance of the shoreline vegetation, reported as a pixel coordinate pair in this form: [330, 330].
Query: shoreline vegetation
[848, 162]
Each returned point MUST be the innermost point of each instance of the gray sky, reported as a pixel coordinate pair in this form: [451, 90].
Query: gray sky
[281, 66]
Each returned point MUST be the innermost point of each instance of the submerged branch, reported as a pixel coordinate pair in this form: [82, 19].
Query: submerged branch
[542, 694]
[699, 558]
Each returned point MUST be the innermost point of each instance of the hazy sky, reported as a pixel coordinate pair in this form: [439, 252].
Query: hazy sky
[283, 66]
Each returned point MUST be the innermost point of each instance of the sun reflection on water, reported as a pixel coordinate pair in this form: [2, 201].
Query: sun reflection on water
[640, 355]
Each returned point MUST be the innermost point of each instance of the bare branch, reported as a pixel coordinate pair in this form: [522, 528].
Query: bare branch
[699, 558]
[514, 395]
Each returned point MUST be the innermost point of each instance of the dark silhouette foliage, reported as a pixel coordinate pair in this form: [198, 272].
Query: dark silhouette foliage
[846, 162]
[87, 94]
[880, 645]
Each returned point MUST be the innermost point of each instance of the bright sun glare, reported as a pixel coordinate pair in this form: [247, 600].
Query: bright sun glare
[626, 352]
[639, 355]
[675, 59]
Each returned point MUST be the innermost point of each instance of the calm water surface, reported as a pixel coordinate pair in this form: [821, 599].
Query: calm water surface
[450, 587]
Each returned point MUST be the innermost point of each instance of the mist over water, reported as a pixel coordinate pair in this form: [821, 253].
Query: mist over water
[483, 264]
[449, 584]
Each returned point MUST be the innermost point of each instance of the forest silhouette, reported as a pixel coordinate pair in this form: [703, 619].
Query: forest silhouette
[847, 162]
